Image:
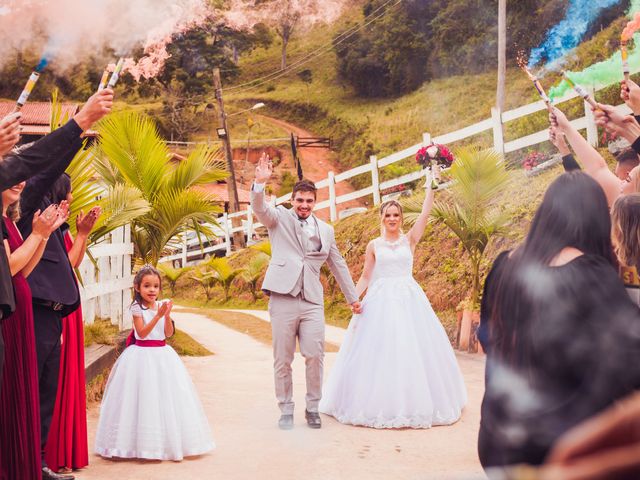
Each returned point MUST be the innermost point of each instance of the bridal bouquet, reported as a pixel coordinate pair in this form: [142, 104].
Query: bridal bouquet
[434, 157]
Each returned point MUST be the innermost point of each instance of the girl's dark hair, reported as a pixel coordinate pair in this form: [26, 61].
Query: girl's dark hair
[60, 189]
[137, 280]
[573, 213]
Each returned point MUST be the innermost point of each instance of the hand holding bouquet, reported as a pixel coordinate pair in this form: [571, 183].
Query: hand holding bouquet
[433, 158]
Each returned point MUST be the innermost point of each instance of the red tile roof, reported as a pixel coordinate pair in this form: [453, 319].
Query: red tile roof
[220, 191]
[37, 115]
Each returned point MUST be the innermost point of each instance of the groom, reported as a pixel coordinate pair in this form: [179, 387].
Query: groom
[300, 244]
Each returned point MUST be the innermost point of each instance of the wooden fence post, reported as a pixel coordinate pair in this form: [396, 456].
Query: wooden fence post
[184, 250]
[333, 212]
[592, 128]
[498, 136]
[127, 319]
[227, 234]
[249, 223]
[375, 180]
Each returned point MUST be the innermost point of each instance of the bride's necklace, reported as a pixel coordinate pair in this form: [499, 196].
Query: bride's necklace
[392, 243]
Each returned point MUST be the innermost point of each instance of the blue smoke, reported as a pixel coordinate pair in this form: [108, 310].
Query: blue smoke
[567, 34]
[43, 63]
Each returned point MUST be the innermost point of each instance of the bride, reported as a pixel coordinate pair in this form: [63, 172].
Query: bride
[396, 367]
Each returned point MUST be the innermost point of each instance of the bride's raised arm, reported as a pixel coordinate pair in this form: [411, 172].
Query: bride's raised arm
[416, 232]
[369, 263]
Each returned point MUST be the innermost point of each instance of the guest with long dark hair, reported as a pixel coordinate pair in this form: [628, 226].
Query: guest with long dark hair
[558, 327]
[67, 443]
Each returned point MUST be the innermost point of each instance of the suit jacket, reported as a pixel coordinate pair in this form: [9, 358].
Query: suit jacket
[290, 258]
[17, 168]
[53, 278]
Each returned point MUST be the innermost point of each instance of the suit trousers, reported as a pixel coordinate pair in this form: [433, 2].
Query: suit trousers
[291, 318]
[48, 328]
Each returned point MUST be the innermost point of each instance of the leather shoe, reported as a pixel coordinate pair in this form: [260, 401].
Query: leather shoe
[285, 422]
[48, 474]
[313, 419]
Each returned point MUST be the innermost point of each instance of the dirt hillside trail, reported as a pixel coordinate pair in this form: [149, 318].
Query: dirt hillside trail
[316, 165]
[236, 389]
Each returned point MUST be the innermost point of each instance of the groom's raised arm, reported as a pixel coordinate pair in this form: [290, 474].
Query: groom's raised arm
[340, 270]
[266, 214]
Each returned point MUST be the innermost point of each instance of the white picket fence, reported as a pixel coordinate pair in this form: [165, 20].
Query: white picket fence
[495, 125]
[106, 291]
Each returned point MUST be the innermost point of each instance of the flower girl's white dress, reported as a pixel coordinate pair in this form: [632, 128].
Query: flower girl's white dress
[396, 367]
[150, 407]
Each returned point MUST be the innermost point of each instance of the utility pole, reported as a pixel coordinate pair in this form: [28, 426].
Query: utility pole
[223, 133]
[502, 54]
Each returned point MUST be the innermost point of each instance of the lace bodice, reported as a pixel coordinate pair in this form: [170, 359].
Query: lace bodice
[393, 259]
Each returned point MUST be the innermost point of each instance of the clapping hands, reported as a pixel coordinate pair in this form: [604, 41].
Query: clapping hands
[85, 223]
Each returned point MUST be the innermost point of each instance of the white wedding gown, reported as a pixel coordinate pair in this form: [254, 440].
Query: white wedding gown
[396, 367]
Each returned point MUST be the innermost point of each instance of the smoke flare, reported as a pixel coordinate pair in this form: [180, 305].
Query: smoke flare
[70, 31]
[566, 35]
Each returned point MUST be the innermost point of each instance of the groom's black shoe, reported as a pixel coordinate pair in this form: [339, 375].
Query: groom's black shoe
[48, 474]
[313, 419]
[285, 422]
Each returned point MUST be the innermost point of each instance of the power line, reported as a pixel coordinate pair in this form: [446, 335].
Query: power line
[315, 53]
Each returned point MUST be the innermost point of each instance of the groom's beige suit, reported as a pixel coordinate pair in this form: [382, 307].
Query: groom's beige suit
[296, 303]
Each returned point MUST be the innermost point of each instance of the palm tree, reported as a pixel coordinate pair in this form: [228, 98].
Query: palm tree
[172, 275]
[86, 188]
[254, 271]
[470, 210]
[223, 273]
[206, 279]
[134, 165]
[264, 247]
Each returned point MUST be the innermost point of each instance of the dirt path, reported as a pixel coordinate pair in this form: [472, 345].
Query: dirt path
[236, 388]
[316, 165]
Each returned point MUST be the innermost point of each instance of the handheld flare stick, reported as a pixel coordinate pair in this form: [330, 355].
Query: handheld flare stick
[625, 58]
[580, 91]
[28, 88]
[538, 85]
[116, 73]
[103, 80]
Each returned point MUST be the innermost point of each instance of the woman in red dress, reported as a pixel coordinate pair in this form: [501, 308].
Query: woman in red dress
[66, 447]
[19, 402]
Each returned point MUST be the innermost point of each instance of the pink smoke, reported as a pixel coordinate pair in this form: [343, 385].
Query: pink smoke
[631, 28]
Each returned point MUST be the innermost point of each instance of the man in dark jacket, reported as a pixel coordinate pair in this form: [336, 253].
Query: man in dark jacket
[47, 159]
[15, 168]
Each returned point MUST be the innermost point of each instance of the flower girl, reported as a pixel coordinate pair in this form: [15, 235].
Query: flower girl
[150, 407]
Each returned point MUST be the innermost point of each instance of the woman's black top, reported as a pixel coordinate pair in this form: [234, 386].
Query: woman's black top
[579, 346]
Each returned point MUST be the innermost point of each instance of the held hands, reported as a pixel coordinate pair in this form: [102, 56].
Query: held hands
[9, 132]
[98, 106]
[85, 223]
[264, 169]
[356, 307]
[630, 93]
